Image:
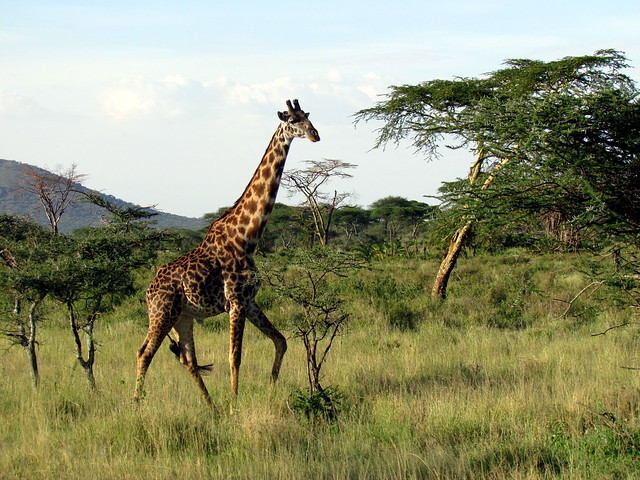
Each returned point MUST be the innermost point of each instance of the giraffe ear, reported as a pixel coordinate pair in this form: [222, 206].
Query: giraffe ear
[283, 116]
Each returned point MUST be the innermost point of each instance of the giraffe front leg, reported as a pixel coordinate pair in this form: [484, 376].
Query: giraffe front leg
[236, 332]
[138, 393]
[141, 371]
[185, 350]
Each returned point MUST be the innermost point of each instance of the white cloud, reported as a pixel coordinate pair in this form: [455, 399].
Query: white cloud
[350, 88]
[370, 91]
[176, 81]
[272, 91]
[6, 100]
[334, 76]
[217, 83]
[14, 104]
[133, 98]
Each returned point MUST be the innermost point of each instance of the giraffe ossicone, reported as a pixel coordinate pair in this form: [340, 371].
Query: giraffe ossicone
[218, 275]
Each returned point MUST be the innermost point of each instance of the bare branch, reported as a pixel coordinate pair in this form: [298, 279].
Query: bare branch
[309, 181]
[614, 327]
[580, 293]
[56, 191]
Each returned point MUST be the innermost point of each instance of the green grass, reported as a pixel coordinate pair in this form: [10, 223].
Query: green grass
[493, 383]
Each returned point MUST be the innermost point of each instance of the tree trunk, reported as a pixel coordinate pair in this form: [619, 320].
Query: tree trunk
[313, 370]
[27, 337]
[87, 365]
[30, 347]
[439, 289]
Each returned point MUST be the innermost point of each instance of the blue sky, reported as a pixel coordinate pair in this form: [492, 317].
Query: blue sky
[172, 103]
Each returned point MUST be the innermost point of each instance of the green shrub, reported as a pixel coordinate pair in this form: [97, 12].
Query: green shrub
[321, 405]
[394, 300]
[606, 447]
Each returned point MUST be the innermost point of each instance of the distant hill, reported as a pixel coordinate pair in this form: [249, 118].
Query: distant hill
[13, 200]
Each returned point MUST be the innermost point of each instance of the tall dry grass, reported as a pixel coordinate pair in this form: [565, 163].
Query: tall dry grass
[494, 383]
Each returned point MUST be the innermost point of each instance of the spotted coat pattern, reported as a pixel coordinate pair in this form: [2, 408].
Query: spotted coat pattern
[218, 275]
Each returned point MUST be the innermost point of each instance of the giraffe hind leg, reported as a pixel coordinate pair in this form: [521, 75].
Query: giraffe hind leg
[260, 320]
[184, 348]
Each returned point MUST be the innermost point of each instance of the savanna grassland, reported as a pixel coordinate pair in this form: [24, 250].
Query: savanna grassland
[501, 380]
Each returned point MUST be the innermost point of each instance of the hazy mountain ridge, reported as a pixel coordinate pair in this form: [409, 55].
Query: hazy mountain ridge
[15, 201]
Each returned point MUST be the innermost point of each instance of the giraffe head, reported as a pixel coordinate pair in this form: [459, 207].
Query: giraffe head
[296, 122]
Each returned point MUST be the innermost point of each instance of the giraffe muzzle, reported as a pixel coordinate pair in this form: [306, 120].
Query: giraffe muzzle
[313, 136]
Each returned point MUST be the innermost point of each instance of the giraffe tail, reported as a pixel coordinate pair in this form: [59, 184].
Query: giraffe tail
[204, 369]
[175, 349]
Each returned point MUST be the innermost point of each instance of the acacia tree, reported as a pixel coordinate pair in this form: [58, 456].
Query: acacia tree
[353, 220]
[87, 273]
[95, 272]
[55, 191]
[309, 182]
[288, 227]
[25, 271]
[397, 212]
[308, 278]
[495, 118]
[125, 217]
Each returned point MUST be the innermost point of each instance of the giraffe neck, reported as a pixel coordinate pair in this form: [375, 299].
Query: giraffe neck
[244, 223]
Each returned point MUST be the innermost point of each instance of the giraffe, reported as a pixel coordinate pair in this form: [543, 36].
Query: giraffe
[218, 275]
